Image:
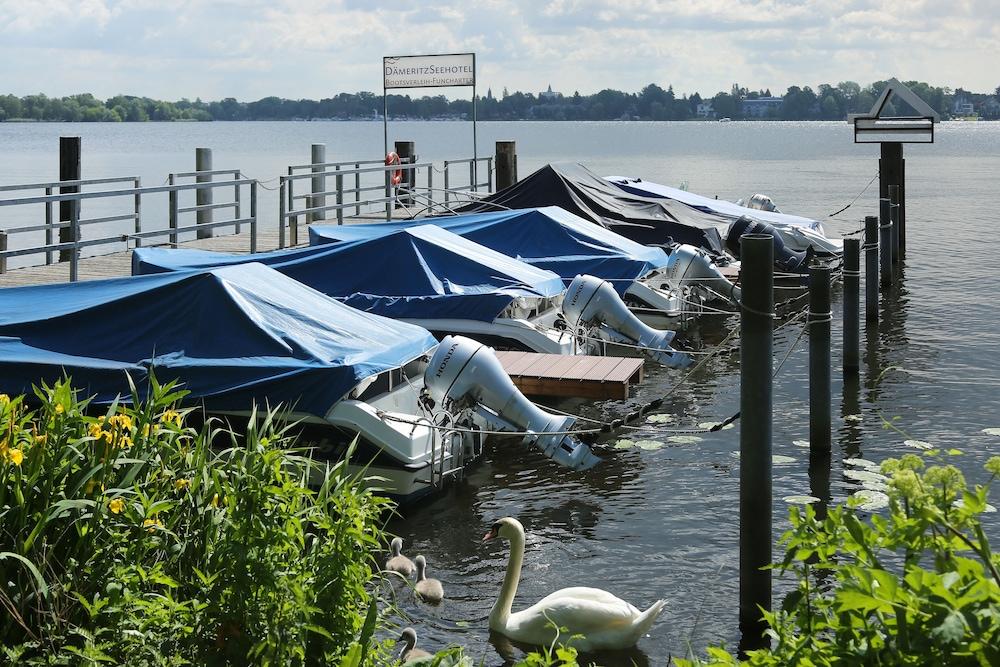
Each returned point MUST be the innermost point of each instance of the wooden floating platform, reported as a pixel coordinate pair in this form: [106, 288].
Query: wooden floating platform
[578, 376]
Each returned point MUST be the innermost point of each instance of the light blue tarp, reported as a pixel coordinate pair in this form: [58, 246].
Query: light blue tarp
[232, 335]
[719, 207]
[421, 272]
[549, 238]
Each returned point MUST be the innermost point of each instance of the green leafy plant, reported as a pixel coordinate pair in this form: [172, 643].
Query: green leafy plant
[918, 587]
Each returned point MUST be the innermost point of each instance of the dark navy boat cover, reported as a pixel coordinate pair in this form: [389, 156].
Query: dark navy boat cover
[232, 336]
[646, 220]
[421, 272]
[549, 238]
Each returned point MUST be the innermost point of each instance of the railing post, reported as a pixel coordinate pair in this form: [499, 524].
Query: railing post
[388, 195]
[430, 188]
[236, 199]
[894, 219]
[137, 211]
[48, 225]
[885, 242]
[871, 268]
[172, 212]
[447, 188]
[820, 317]
[756, 359]
[357, 188]
[74, 260]
[472, 174]
[69, 170]
[489, 174]
[318, 154]
[253, 216]
[203, 196]
[340, 197]
[506, 164]
[282, 204]
[852, 285]
[3, 248]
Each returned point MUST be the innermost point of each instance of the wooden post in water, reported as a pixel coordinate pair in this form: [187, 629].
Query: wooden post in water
[885, 242]
[407, 152]
[894, 219]
[203, 196]
[318, 155]
[871, 268]
[756, 358]
[820, 317]
[852, 285]
[69, 170]
[3, 248]
[506, 158]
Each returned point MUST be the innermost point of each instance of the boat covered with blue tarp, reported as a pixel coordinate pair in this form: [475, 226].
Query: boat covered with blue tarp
[548, 237]
[418, 273]
[233, 335]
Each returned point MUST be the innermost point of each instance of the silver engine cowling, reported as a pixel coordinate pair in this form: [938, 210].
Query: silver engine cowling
[759, 202]
[691, 266]
[593, 303]
[465, 375]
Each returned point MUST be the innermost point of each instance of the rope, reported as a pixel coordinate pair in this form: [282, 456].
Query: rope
[865, 189]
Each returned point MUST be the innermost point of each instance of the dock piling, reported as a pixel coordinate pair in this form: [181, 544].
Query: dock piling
[852, 288]
[317, 153]
[407, 152]
[203, 196]
[3, 248]
[820, 316]
[885, 242]
[506, 157]
[894, 219]
[756, 358]
[871, 268]
[69, 170]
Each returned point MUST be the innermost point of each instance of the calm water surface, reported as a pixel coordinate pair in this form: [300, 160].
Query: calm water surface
[664, 523]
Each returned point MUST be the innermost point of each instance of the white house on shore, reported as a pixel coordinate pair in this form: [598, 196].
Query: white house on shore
[705, 110]
[762, 107]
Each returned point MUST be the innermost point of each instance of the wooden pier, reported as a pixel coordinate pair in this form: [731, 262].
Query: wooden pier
[578, 376]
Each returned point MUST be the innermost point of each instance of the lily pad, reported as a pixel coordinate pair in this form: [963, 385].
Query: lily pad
[684, 439]
[801, 443]
[853, 418]
[991, 431]
[989, 509]
[862, 463]
[624, 444]
[865, 476]
[918, 444]
[711, 425]
[660, 419]
[800, 500]
[871, 500]
[649, 445]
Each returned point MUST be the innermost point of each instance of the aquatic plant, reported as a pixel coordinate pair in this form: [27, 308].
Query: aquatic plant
[920, 586]
[128, 537]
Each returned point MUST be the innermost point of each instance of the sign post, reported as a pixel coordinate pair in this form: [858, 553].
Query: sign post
[443, 70]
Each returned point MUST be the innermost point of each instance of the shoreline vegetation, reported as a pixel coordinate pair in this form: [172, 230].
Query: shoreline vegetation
[652, 103]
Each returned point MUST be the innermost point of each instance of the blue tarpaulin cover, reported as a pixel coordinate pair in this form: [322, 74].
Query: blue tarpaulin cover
[548, 237]
[232, 335]
[421, 272]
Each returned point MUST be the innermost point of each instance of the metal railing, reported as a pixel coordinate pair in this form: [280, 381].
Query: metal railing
[473, 173]
[74, 224]
[236, 204]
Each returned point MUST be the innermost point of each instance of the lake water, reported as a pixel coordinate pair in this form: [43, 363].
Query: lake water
[663, 523]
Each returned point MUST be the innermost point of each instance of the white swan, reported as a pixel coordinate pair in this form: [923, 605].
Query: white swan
[605, 621]
[399, 563]
[428, 590]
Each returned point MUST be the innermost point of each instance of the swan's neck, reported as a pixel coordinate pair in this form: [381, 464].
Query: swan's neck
[420, 571]
[501, 609]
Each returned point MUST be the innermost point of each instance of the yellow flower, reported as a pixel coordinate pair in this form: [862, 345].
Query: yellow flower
[94, 431]
[145, 430]
[4, 399]
[171, 416]
[15, 456]
[151, 524]
[41, 438]
[123, 422]
[59, 408]
[116, 506]
[215, 500]
[181, 484]
[126, 442]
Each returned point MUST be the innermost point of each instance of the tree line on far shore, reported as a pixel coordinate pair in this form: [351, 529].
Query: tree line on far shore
[826, 102]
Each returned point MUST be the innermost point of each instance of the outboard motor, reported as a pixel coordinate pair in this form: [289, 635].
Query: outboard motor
[759, 202]
[784, 259]
[688, 264]
[593, 303]
[466, 375]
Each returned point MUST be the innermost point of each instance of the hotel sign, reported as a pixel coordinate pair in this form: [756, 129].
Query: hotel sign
[434, 71]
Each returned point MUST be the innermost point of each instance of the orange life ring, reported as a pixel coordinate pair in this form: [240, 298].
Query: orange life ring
[396, 176]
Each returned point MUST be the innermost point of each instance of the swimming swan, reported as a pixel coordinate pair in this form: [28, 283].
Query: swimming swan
[399, 563]
[605, 621]
[428, 590]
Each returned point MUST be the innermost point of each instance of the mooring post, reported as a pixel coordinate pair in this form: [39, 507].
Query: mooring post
[69, 170]
[820, 317]
[3, 248]
[756, 358]
[885, 242]
[506, 164]
[894, 219]
[902, 207]
[388, 195]
[203, 196]
[852, 286]
[871, 268]
[406, 150]
[318, 155]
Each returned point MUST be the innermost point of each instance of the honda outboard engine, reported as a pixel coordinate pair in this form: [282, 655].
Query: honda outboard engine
[688, 265]
[593, 305]
[464, 375]
[759, 202]
[784, 258]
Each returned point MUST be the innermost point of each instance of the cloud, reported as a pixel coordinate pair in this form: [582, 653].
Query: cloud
[315, 48]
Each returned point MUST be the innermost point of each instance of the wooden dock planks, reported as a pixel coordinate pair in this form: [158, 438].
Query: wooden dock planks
[577, 376]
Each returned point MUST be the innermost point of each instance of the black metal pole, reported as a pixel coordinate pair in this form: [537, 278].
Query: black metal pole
[756, 353]
[852, 285]
[885, 241]
[69, 170]
[819, 358]
[894, 219]
[871, 268]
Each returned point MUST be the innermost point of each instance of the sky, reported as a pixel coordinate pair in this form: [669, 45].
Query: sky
[248, 49]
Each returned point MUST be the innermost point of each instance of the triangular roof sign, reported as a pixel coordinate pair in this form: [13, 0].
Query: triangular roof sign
[895, 87]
